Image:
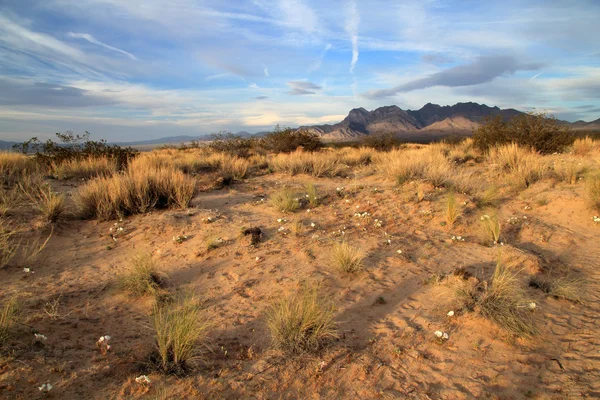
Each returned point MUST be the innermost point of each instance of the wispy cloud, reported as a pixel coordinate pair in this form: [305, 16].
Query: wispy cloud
[302, 87]
[535, 76]
[319, 61]
[351, 26]
[93, 40]
[482, 70]
[217, 76]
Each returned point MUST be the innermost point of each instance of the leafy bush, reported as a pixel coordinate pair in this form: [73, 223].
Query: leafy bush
[227, 142]
[536, 130]
[75, 147]
[301, 322]
[286, 140]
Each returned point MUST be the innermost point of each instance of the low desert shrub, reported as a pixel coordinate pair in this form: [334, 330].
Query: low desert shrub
[402, 165]
[15, 166]
[180, 330]
[561, 287]
[287, 140]
[302, 322]
[583, 146]
[142, 277]
[234, 145]
[502, 299]
[490, 225]
[568, 170]
[317, 164]
[285, 200]
[347, 258]
[84, 168]
[384, 141]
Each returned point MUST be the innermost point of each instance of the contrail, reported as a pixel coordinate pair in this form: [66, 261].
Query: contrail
[535, 76]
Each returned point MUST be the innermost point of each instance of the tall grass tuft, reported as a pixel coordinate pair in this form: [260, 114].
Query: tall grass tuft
[502, 299]
[49, 203]
[313, 195]
[84, 168]
[452, 210]
[583, 146]
[347, 258]
[142, 276]
[180, 330]
[592, 190]
[302, 322]
[491, 226]
[8, 313]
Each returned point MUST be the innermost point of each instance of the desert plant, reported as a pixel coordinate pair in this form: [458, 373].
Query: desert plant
[286, 140]
[502, 299]
[84, 168]
[226, 142]
[302, 322]
[346, 257]
[213, 242]
[142, 276]
[488, 198]
[285, 200]
[48, 202]
[583, 146]
[180, 330]
[560, 287]
[15, 166]
[312, 194]
[382, 141]
[491, 226]
[540, 131]
[592, 190]
[569, 170]
[452, 210]
[9, 200]
[8, 313]
[8, 244]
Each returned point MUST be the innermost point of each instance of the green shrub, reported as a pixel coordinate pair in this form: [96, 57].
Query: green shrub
[536, 130]
[286, 140]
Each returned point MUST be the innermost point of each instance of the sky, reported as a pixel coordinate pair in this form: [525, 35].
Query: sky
[128, 70]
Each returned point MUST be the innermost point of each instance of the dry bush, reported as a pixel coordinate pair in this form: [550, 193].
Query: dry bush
[142, 276]
[490, 225]
[9, 200]
[490, 197]
[285, 200]
[15, 166]
[347, 258]
[317, 164]
[302, 322]
[235, 167]
[502, 300]
[452, 210]
[561, 287]
[48, 202]
[583, 146]
[286, 140]
[568, 170]
[354, 157]
[463, 152]
[135, 191]
[524, 165]
[8, 244]
[8, 314]
[592, 190]
[401, 165]
[180, 330]
[84, 168]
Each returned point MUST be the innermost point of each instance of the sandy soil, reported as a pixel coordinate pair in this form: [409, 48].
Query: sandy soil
[387, 347]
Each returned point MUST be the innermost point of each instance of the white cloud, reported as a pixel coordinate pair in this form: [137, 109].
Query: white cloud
[93, 40]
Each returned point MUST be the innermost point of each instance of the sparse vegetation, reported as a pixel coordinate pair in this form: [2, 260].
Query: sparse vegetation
[491, 226]
[488, 198]
[180, 331]
[142, 276]
[312, 194]
[287, 140]
[452, 211]
[592, 190]
[302, 322]
[560, 287]
[347, 258]
[285, 200]
[502, 299]
[8, 313]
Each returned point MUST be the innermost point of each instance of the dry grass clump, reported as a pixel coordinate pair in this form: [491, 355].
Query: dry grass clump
[302, 322]
[401, 165]
[135, 191]
[8, 244]
[502, 300]
[354, 157]
[452, 210]
[48, 202]
[180, 330]
[490, 225]
[562, 287]
[84, 168]
[9, 200]
[285, 200]
[524, 165]
[312, 194]
[347, 258]
[14, 166]
[142, 276]
[592, 190]
[8, 314]
[568, 170]
[317, 164]
[490, 197]
[583, 146]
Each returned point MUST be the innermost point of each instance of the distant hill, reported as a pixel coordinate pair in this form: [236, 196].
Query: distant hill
[427, 123]
[6, 145]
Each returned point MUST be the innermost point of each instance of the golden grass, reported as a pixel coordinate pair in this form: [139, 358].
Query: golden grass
[347, 258]
[302, 322]
[452, 209]
[142, 276]
[84, 169]
[285, 200]
[8, 313]
[135, 191]
[523, 165]
[401, 165]
[490, 197]
[313, 194]
[502, 300]
[180, 330]
[9, 200]
[314, 164]
[8, 244]
[592, 190]
[490, 225]
[49, 203]
[568, 170]
[561, 287]
[583, 146]
[14, 166]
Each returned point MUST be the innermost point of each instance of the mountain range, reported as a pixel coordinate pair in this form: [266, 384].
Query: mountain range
[427, 123]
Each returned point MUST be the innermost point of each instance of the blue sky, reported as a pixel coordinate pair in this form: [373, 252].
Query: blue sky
[142, 69]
